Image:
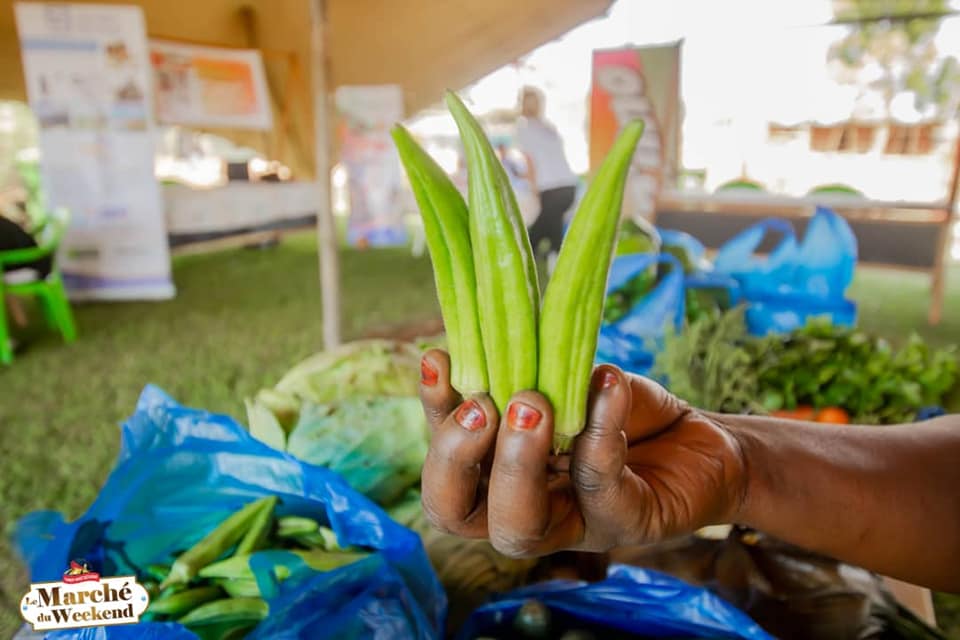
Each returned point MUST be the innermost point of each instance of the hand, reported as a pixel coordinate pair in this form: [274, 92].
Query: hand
[645, 468]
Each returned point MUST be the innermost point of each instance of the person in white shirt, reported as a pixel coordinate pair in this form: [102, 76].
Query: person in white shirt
[548, 172]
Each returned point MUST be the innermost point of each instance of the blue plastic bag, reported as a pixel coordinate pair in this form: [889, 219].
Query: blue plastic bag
[181, 471]
[630, 343]
[693, 248]
[630, 599]
[676, 238]
[370, 599]
[796, 282]
[759, 275]
[827, 257]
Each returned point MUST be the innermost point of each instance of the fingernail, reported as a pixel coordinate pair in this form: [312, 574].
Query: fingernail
[522, 416]
[470, 416]
[428, 373]
[605, 380]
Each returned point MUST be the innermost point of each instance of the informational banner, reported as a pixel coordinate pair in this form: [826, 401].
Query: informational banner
[638, 82]
[366, 114]
[210, 86]
[88, 81]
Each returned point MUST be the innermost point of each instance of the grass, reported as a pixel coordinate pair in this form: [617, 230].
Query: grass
[239, 320]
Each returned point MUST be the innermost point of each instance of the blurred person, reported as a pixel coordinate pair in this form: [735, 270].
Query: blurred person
[648, 467]
[548, 172]
[14, 234]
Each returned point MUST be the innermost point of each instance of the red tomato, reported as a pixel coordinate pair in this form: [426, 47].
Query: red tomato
[833, 415]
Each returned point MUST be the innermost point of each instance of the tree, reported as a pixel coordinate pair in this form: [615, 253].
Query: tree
[890, 48]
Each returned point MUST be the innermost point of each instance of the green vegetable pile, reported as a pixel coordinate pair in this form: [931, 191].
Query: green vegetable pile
[211, 589]
[354, 410]
[716, 365]
[824, 365]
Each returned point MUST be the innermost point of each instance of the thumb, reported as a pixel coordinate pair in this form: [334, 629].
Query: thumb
[600, 451]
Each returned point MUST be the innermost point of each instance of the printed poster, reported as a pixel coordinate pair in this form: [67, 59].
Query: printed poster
[374, 178]
[638, 82]
[88, 81]
[210, 86]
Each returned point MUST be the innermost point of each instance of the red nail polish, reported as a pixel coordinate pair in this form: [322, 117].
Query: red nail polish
[522, 416]
[470, 416]
[428, 374]
[605, 380]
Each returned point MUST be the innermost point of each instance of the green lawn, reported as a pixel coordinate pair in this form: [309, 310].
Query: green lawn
[239, 320]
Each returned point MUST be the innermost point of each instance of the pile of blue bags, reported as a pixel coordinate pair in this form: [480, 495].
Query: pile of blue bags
[795, 281]
[181, 471]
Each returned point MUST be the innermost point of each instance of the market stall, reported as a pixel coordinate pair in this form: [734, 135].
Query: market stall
[309, 49]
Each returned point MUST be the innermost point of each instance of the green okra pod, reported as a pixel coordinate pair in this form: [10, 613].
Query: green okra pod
[446, 227]
[256, 535]
[215, 544]
[573, 302]
[180, 603]
[508, 295]
[227, 610]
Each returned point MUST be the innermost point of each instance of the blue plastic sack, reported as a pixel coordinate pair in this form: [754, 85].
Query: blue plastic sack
[827, 257]
[630, 343]
[693, 248]
[181, 471]
[787, 312]
[630, 599]
[758, 275]
[796, 282]
[676, 238]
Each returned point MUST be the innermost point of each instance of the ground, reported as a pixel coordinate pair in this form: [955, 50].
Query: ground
[239, 320]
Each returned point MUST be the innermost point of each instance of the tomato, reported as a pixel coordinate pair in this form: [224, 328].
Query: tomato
[833, 415]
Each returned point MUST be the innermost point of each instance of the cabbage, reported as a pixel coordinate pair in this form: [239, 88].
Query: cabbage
[376, 444]
[354, 410]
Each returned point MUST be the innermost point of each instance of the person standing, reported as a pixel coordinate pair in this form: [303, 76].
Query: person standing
[548, 172]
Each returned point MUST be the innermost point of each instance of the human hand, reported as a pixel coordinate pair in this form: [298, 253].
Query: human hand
[646, 467]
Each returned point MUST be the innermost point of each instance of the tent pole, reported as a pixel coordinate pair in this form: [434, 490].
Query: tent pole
[326, 226]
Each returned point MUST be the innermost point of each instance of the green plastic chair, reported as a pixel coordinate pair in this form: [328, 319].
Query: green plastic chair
[48, 291]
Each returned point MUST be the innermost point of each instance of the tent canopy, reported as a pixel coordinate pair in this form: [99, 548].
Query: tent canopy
[426, 46]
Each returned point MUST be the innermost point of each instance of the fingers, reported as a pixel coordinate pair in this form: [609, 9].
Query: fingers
[452, 493]
[438, 397]
[609, 498]
[524, 516]
[652, 409]
[600, 451]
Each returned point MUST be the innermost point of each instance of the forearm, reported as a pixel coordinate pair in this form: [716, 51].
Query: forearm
[885, 498]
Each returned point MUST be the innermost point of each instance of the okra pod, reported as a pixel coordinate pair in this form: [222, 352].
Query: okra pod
[256, 535]
[180, 603]
[446, 228]
[239, 566]
[573, 302]
[239, 587]
[291, 526]
[322, 538]
[227, 610]
[215, 544]
[507, 291]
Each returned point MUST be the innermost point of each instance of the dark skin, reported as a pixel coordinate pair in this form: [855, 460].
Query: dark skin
[648, 467]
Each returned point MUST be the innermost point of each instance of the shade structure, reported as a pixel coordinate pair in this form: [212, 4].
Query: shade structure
[425, 46]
